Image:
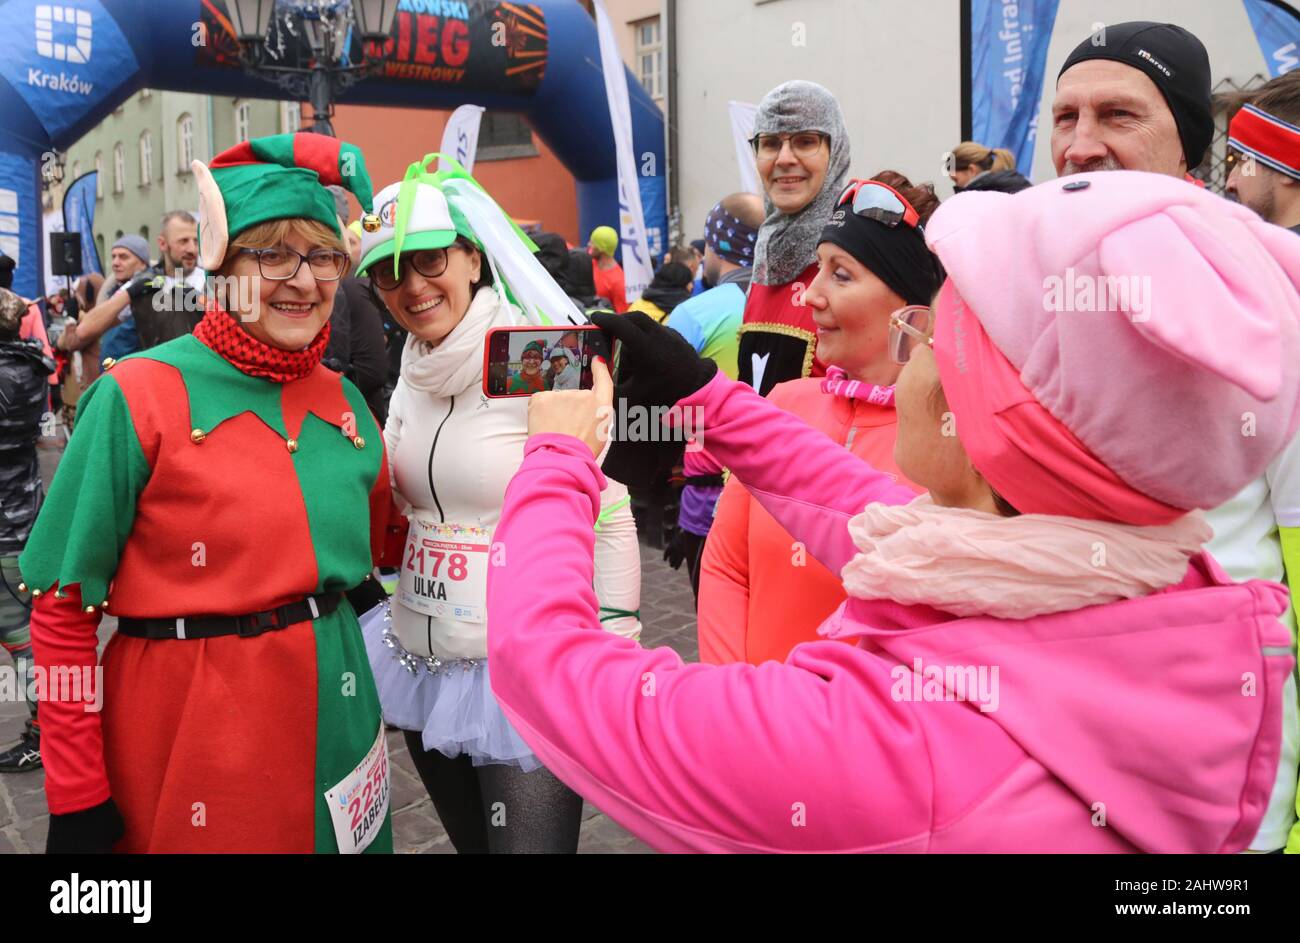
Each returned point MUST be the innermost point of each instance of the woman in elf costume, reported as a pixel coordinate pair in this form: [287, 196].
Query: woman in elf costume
[530, 378]
[449, 265]
[221, 492]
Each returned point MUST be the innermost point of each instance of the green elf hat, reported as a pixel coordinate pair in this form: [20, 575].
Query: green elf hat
[278, 177]
[536, 347]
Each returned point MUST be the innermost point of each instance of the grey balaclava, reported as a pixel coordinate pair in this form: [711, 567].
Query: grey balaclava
[788, 244]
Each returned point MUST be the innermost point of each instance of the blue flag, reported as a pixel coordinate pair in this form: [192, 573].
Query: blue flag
[1277, 32]
[1008, 54]
[79, 216]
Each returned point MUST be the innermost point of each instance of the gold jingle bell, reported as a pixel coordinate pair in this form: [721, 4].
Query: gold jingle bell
[107, 364]
[22, 587]
[90, 610]
[370, 222]
[291, 444]
[359, 442]
[197, 436]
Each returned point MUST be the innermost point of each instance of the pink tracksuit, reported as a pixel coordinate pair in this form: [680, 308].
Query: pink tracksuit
[1150, 725]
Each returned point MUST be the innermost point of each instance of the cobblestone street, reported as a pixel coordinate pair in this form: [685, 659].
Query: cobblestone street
[668, 615]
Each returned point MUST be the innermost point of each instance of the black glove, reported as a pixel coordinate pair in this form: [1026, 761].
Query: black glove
[656, 367]
[91, 831]
[144, 285]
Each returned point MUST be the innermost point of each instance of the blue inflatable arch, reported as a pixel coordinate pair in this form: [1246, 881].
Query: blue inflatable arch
[66, 64]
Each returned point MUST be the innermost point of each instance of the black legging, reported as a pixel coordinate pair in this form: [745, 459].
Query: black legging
[498, 809]
[693, 548]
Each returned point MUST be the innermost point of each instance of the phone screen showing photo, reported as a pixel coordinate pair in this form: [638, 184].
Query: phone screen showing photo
[521, 361]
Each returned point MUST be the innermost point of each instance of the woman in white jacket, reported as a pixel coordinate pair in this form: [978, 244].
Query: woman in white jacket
[452, 451]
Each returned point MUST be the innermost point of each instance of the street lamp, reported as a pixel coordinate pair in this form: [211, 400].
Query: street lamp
[326, 26]
[251, 19]
[374, 18]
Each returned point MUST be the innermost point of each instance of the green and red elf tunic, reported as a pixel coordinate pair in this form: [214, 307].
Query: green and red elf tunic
[212, 475]
[192, 487]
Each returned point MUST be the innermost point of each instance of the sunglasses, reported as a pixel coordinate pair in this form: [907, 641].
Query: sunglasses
[879, 201]
[909, 327]
[428, 262]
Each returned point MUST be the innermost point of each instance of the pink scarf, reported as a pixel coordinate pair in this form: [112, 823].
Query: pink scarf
[837, 383]
[972, 563]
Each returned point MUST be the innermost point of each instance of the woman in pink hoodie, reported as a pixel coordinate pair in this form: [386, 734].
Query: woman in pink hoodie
[1045, 660]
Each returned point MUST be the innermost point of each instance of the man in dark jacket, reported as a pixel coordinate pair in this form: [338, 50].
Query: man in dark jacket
[24, 382]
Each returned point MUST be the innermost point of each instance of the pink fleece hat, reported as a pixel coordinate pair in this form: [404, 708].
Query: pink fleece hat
[1134, 345]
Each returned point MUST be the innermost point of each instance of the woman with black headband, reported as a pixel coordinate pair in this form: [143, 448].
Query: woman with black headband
[758, 599]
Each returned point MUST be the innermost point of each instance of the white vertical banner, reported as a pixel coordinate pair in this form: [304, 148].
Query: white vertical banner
[742, 129]
[637, 270]
[52, 222]
[460, 136]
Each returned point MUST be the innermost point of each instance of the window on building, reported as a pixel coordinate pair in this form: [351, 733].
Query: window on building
[119, 169]
[99, 175]
[290, 117]
[650, 56]
[243, 112]
[185, 142]
[146, 158]
[503, 135]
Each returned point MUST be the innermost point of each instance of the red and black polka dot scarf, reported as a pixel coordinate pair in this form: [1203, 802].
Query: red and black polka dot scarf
[223, 334]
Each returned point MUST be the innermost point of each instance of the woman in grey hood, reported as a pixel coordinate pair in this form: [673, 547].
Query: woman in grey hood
[801, 149]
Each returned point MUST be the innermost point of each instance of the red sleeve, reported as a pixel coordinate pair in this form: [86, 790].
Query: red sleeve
[618, 290]
[72, 741]
[387, 525]
[724, 580]
[33, 326]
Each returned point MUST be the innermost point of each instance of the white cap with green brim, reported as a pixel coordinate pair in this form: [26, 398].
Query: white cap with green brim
[429, 210]
[431, 223]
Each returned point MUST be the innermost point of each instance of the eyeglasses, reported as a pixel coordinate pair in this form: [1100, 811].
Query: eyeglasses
[428, 262]
[279, 263]
[879, 201]
[909, 327]
[802, 144]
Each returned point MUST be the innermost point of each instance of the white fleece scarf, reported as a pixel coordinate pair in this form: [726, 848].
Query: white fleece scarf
[455, 364]
[972, 563]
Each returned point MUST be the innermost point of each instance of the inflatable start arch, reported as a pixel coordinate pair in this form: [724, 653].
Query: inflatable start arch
[65, 64]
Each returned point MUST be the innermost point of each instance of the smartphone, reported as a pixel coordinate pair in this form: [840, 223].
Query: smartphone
[521, 361]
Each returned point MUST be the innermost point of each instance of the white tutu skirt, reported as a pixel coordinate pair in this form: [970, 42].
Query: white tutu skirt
[452, 708]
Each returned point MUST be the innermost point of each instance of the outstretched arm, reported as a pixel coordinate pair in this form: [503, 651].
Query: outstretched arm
[810, 755]
[809, 483]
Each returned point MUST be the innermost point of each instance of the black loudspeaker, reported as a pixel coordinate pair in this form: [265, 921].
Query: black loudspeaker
[65, 253]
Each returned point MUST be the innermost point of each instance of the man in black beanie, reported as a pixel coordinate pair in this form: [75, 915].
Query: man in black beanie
[1133, 96]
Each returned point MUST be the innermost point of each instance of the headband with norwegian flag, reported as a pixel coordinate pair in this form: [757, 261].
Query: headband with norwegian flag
[282, 176]
[1270, 140]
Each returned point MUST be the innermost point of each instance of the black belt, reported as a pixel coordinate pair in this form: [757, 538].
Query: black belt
[705, 481]
[244, 626]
